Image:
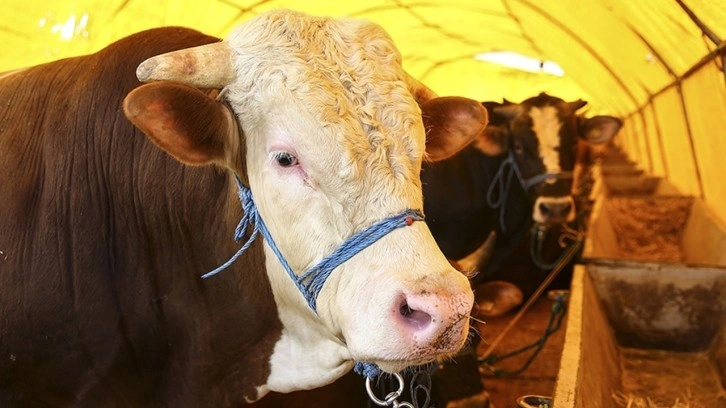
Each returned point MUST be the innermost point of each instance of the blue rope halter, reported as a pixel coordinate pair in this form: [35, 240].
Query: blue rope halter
[311, 282]
[502, 186]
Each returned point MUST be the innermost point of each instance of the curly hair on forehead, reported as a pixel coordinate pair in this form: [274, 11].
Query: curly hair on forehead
[347, 75]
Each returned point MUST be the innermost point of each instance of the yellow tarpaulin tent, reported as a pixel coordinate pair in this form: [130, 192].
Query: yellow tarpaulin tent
[658, 64]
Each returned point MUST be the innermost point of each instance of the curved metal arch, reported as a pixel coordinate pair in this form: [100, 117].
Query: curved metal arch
[410, 9]
[557, 23]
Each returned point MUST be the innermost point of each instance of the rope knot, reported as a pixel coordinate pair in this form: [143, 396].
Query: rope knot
[250, 215]
[368, 370]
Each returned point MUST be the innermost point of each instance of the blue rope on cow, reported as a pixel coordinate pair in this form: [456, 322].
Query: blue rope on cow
[368, 370]
[250, 216]
[502, 186]
[318, 274]
[311, 282]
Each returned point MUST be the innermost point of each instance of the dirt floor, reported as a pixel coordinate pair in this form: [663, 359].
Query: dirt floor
[539, 378]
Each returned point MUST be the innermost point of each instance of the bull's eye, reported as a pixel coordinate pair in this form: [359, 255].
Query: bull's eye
[518, 148]
[285, 159]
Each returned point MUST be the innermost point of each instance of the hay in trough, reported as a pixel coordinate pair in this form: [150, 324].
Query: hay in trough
[650, 228]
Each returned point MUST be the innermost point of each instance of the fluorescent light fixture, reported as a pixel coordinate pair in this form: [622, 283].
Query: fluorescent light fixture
[521, 62]
[67, 30]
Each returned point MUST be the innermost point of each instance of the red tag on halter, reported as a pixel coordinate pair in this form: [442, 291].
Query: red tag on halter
[409, 220]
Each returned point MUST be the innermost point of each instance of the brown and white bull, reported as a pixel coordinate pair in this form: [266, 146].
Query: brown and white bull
[521, 172]
[546, 135]
[103, 236]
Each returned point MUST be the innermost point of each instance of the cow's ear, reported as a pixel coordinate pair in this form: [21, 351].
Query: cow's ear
[493, 141]
[183, 121]
[599, 129]
[451, 123]
[508, 111]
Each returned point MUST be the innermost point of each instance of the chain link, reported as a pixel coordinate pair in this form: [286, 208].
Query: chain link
[391, 397]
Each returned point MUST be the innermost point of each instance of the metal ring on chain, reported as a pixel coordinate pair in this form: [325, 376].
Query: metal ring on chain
[391, 397]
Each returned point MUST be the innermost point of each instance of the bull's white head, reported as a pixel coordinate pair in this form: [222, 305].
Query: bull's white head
[323, 124]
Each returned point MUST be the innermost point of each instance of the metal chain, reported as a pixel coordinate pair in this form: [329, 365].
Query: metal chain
[391, 398]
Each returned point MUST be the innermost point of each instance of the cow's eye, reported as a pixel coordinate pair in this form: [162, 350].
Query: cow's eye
[285, 159]
[518, 148]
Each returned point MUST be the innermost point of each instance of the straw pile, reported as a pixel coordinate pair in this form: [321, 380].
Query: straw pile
[649, 228]
[634, 401]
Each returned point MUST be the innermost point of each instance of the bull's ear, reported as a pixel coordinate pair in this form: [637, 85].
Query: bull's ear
[451, 123]
[494, 140]
[508, 111]
[599, 129]
[183, 121]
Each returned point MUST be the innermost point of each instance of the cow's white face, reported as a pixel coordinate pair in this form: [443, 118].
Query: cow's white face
[327, 130]
[327, 157]
[396, 303]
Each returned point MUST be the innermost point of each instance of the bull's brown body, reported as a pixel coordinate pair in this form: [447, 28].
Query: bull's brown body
[103, 241]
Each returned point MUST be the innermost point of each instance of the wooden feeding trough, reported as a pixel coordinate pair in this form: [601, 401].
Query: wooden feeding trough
[611, 155]
[655, 228]
[647, 319]
[632, 185]
[604, 170]
[615, 158]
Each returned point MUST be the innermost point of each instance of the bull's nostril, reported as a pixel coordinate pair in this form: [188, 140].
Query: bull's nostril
[406, 310]
[544, 209]
[415, 318]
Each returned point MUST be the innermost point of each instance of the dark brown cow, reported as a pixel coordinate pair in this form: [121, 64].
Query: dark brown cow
[104, 236]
